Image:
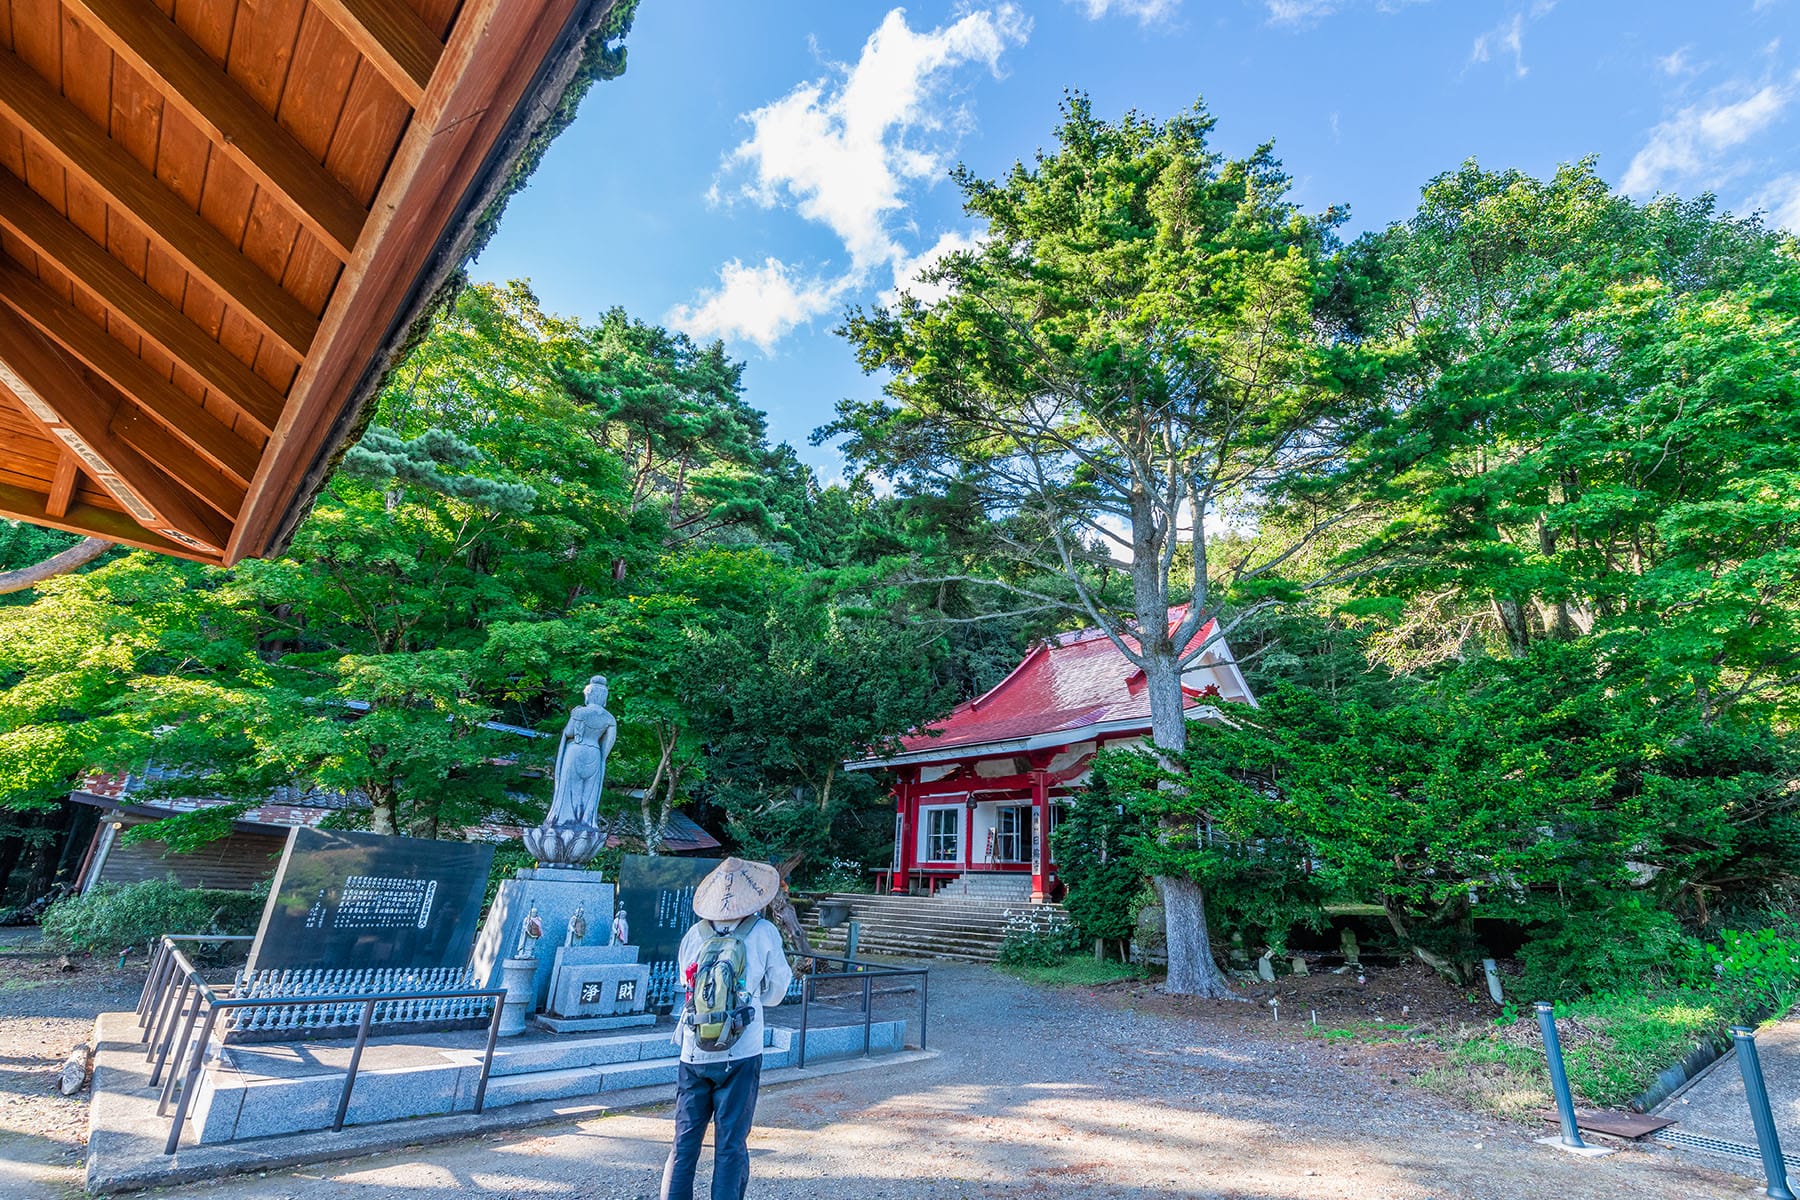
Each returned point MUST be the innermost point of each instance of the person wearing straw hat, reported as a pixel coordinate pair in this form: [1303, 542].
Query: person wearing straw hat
[721, 1068]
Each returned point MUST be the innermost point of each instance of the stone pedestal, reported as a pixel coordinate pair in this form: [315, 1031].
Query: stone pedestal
[556, 892]
[516, 976]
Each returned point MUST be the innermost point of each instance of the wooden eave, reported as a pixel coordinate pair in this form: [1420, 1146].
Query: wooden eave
[219, 221]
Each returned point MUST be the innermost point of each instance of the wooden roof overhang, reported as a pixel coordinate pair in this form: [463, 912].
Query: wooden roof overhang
[219, 222]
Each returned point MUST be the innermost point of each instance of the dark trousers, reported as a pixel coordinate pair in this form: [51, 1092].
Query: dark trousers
[723, 1094]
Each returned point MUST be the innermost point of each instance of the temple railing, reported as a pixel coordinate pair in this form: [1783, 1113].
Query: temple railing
[177, 998]
[867, 973]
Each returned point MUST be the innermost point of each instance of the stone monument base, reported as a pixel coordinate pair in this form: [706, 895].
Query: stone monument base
[556, 892]
[592, 1024]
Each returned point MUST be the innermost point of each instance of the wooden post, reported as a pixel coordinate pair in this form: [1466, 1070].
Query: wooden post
[1040, 832]
[905, 834]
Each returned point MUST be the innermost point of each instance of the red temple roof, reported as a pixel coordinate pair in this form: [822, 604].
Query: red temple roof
[1075, 683]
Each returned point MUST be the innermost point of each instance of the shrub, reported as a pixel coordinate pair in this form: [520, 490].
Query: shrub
[841, 875]
[1628, 944]
[1757, 974]
[1037, 938]
[113, 916]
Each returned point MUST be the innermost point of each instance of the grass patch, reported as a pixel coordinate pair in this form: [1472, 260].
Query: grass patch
[1371, 1032]
[1077, 970]
[1613, 1047]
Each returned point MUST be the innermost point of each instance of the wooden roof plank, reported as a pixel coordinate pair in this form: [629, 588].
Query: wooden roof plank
[62, 486]
[103, 354]
[127, 296]
[175, 228]
[394, 39]
[153, 440]
[216, 102]
[492, 55]
[51, 387]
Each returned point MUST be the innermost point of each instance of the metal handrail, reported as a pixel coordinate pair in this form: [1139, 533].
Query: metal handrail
[162, 1016]
[868, 973]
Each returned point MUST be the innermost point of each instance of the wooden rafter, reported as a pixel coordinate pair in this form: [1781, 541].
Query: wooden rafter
[108, 358]
[114, 284]
[62, 486]
[392, 37]
[49, 385]
[139, 33]
[78, 145]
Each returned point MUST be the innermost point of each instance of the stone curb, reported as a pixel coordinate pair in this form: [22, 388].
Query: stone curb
[133, 1163]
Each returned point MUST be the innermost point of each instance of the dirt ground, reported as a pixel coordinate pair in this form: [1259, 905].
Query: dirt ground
[1113, 1091]
[45, 1010]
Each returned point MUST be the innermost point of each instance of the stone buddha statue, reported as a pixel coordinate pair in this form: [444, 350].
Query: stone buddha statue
[571, 833]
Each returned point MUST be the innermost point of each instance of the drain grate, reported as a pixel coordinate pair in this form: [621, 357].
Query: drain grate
[1712, 1145]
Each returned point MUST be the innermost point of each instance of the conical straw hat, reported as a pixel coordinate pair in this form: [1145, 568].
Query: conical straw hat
[736, 888]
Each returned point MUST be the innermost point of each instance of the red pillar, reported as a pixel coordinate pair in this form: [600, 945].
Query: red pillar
[905, 835]
[1040, 833]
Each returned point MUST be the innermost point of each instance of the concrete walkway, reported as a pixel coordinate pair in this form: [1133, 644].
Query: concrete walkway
[1049, 1093]
[1714, 1107]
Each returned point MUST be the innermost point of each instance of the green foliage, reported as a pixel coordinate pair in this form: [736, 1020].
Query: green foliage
[1037, 938]
[113, 916]
[840, 875]
[1095, 846]
[1628, 943]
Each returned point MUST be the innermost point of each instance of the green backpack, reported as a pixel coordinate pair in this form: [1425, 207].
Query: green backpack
[719, 1006]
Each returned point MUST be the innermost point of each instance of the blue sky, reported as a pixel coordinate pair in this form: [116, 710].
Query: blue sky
[759, 167]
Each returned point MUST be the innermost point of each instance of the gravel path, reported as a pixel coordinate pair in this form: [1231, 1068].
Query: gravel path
[1050, 1093]
[45, 1012]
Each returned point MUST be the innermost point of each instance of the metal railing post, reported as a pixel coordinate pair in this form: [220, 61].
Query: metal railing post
[181, 1053]
[1756, 1091]
[165, 1031]
[362, 1039]
[487, 1057]
[805, 1008]
[150, 970]
[867, 1014]
[1559, 1078]
[924, 1004]
[191, 1084]
[158, 984]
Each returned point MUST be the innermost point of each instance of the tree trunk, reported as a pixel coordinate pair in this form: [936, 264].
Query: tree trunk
[80, 554]
[1192, 971]
[383, 817]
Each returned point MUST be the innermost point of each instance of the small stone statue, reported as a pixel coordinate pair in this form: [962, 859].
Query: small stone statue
[571, 833]
[621, 929]
[530, 930]
[577, 926]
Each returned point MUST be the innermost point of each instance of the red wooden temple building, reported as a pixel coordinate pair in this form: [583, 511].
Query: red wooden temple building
[977, 793]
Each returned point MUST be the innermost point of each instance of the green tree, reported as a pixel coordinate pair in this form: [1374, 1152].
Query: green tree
[1129, 361]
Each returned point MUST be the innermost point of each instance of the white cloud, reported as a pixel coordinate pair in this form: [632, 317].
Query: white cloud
[844, 152]
[1780, 202]
[756, 303]
[1676, 63]
[907, 271]
[1298, 12]
[1693, 141]
[1146, 11]
[1507, 36]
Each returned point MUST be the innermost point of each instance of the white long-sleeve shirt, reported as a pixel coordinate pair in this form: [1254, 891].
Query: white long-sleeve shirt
[766, 979]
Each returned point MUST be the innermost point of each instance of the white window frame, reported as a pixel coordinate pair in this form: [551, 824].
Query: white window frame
[936, 837]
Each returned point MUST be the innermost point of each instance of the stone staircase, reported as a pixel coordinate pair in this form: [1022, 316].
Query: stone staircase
[964, 928]
[1011, 888]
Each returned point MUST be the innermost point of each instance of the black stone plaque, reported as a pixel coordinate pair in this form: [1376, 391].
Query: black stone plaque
[657, 893]
[627, 992]
[369, 901]
[590, 993]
